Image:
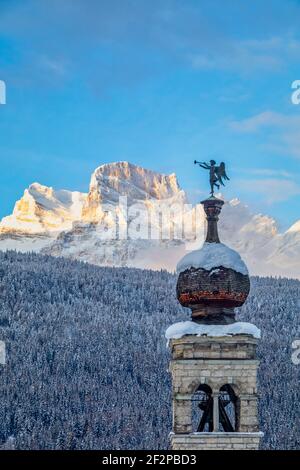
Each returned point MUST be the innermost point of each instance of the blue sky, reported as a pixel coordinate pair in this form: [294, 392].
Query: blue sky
[158, 83]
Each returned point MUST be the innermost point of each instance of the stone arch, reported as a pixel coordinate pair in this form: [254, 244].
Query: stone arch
[194, 385]
[229, 408]
[202, 409]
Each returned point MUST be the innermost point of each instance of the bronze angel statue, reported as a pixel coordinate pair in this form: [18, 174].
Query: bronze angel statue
[216, 174]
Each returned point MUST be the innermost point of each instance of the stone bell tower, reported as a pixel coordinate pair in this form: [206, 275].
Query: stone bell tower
[213, 357]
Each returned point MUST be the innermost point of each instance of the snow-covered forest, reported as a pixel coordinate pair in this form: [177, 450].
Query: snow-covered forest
[87, 359]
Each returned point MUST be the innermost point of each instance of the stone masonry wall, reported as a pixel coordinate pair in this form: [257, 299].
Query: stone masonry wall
[214, 361]
[215, 441]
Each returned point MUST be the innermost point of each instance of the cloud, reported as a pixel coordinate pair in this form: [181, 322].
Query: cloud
[55, 66]
[272, 189]
[249, 55]
[269, 172]
[264, 120]
[123, 42]
[281, 131]
[290, 141]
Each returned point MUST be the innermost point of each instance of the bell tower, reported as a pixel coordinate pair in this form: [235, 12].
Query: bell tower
[213, 357]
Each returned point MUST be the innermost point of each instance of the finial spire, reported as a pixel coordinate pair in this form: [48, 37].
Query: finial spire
[212, 207]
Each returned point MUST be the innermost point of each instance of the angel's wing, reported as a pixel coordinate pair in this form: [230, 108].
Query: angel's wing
[218, 174]
[221, 172]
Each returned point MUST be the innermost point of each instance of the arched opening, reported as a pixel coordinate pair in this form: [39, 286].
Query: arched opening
[228, 409]
[202, 409]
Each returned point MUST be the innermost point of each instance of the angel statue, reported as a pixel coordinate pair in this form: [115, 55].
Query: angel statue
[216, 174]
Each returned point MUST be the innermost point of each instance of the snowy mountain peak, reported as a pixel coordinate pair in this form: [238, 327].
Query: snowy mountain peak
[295, 228]
[42, 209]
[70, 223]
[39, 187]
[112, 180]
[133, 181]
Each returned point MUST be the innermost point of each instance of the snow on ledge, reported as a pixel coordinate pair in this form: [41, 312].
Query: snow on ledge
[217, 433]
[183, 328]
[213, 255]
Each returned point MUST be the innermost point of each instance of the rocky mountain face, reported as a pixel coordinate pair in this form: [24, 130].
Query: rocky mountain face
[109, 182]
[136, 217]
[44, 210]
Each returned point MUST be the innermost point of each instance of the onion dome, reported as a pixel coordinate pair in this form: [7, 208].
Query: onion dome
[213, 280]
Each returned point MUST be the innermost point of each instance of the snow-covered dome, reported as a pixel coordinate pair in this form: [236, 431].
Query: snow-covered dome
[213, 255]
[213, 280]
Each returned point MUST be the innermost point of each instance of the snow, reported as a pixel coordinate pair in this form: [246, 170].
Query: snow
[25, 244]
[137, 183]
[214, 271]
[294, 228]
[213, 255]
[43, 210]
[183, 328]
[221, 434]
[39, 317]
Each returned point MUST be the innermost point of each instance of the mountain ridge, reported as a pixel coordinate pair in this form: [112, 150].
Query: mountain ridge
[83, 225]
